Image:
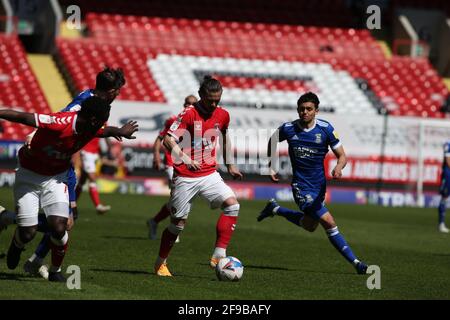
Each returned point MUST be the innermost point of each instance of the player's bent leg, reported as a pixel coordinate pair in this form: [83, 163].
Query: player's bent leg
[226, 224]
[6, 218]
[22, 235]
[168, 238]
[35, 264]
[338, 241]
[273, 208]
[57, 216]
[152, 223]
[309, 224]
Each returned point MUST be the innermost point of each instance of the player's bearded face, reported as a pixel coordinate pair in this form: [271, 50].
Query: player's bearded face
[210, 100]
[307, 112]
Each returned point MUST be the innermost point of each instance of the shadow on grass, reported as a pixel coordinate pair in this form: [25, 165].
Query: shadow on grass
[122, 271]
[16, 277]
[124, 238]
[287, 269]
[139, 272]
[258, 267]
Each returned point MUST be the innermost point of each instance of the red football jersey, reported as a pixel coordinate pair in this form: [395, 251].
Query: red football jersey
[197, 137]
[93, 146]
[54, 143]
[167, 157]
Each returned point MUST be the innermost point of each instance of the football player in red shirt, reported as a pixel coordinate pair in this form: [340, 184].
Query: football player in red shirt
[42, 173]
[192, 140]
[164, 212]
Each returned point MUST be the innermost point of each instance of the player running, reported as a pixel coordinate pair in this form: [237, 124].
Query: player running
[444, 189]
[164, 212]
[308, 139]
[197, 129]
[42, 174]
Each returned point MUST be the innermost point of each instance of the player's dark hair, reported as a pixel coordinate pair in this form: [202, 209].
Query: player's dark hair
[210, 84]
[109, 79]
[309, 97]
[95, 107]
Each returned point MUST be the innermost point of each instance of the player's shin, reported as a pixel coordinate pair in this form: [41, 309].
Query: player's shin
[291, 215]
[163, 213]
[93, 192]
[43, 247]
[168, 238]
[341, 245]
[224, 230]
[59, 248]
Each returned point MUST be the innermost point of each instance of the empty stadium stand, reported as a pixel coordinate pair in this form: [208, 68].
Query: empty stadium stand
[405, 86]
[19, 88]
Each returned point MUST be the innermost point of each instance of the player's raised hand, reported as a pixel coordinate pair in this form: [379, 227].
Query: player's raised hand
[234, 172]
[128, 129]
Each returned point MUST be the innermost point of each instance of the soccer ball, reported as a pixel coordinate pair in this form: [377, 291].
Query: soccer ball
[229, 269]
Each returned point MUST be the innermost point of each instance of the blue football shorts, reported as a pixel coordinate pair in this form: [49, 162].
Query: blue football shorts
[310, 201]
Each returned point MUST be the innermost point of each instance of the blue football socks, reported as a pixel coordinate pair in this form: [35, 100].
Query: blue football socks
[341, 245]
[291, 215]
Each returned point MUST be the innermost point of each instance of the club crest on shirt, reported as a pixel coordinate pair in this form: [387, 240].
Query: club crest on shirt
[318, 138]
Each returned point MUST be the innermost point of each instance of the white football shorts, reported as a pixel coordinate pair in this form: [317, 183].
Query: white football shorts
[169, 174]
[33, 191]
[89, 160]
[212, 188]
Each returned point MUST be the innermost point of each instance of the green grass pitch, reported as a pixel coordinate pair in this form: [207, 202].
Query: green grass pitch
[281, 260]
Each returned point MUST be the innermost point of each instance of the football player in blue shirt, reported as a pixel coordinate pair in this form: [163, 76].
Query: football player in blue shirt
[107, 87]
[444, 189]
[308, 139]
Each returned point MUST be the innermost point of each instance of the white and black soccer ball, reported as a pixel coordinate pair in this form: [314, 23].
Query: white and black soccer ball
[229, 269]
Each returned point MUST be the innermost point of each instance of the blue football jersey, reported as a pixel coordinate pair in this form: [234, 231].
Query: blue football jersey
[307, 150]
[75, 105]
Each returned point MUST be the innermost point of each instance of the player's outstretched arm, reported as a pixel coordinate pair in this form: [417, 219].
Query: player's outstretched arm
[126, 131]
[342, 161]
[25, 118]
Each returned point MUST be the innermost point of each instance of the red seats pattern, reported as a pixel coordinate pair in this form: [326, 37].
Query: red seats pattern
[407, 86]
[19, 89]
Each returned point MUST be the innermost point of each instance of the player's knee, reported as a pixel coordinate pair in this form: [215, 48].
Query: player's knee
[232, 211]
[310, 227]
[175, 228]
[57, 225]
[27, 234]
